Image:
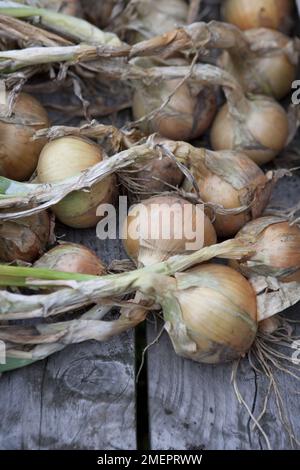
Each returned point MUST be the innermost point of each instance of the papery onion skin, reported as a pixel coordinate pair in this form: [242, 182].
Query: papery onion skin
[99, 12]
[232, 180]
[148, 251]
[266, 123]
[245, 14]
[155, 17]
[277, 250]
[67, 157]
[24, 239]
[18, 153]
[72, 258]
[158, 175]
[264, 72]
[218, 312]
[187, 116]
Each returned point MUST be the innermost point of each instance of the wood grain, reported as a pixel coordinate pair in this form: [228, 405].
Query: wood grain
[80, 398]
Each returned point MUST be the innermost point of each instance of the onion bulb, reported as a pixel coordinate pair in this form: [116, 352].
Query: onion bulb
[157, 176]
[211, 314]
[155, 17]
[72, 258]
[231, 180]
[66, 157]
[24, 239]
[270, 66]
[245, 14]
[176, 223]
[18, 153]
[187, 116]
[99, 12]
[258, 127]
[277, 250]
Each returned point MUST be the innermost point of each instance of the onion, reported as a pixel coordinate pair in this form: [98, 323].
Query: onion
[146, 249]
[187, 115]
[67, 157]
[257, 126]
[275, 14]
[24, 239]
[158, 175]
[277, 250]
[212, 314]
[72, 258]
[18, 153]
[155, 17]
[231, 180]
[269, 67]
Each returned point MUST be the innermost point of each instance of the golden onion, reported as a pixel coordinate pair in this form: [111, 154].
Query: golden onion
[72, 258]
[173, 231]
[269, 68]
[245, 14]
[210, 313]
[187, 115]
[158, 175]
[277, 250]
[66, 157]
[24, 239]
[231, 180]
[260, 130]
[18, 152]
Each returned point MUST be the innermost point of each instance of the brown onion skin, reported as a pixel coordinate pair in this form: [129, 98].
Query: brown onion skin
[67, 157]
[159, 175]
[217, 342]
[266, 121]
[274, 14]
[158, 17]
[132, 246]
[186, 117]
[24, 239]
[99, 12]
[72, 258]
[267, 73]
[18, 153]
[215, 189]
[278, 246]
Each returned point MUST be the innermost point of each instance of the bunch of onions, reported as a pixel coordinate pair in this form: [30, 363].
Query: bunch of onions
[275, 14]
[155, 17]
[188, 114]
[227, 180]
[256, 125]
[66, 157]
[277, 250]
[24, 239]
[18, 152]
[210, 313]
[162, 226]
[72, 258]
[267, 64]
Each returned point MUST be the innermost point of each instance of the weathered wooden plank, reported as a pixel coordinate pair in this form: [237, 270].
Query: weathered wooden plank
[193, 406]
[80, 398]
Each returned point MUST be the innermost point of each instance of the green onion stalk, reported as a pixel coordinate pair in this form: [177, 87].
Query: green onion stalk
[70, 26]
